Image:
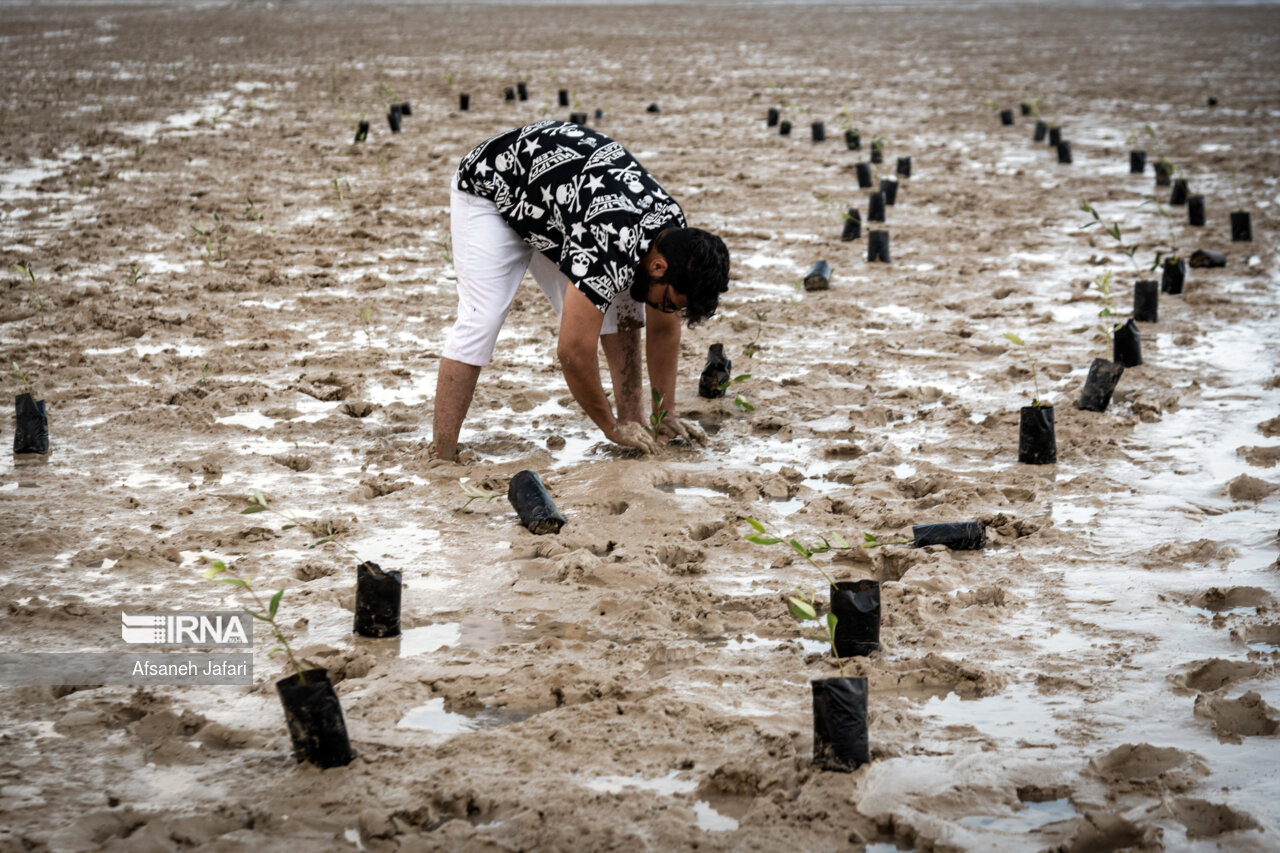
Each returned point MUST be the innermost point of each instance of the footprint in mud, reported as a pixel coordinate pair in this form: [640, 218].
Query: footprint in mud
[1266, 633]
[681, 560]
[1235, 719]
[1208, 676]
[1204, 819]
[1143, 767]
[1229, 598]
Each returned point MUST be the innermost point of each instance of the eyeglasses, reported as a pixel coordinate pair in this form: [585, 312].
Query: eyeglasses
[667, 306]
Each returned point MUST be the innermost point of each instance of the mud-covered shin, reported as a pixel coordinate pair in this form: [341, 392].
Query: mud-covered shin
[1137, 162]
[956, 535]
[533, 503]
[877, 246]
[863, 171]
[715, 374]
[31, 425]
[1146, 301]
[1037, 444]
[856, 605]
[818, 277]
[1100, 384]
[377, 601]
[1241, 229]
[840, 737]
[1174, 276]
[852, 226]
[314, 716]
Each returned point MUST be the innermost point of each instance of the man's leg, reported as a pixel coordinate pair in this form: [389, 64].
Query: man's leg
[455, 386]
[489, 259]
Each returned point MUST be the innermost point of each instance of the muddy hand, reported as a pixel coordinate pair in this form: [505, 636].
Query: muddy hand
[690, 431]
[632, 434]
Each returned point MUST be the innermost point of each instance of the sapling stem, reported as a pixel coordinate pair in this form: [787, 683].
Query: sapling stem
[219, 573]
[869, 540]
[18, 373]
[257, 503]
[659, 414]
[475, 493]
[1035, 379]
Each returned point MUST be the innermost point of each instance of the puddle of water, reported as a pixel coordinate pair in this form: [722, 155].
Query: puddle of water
[707, 816]
[428, 638]
[248, 420]
[1028, 819]
[432, 717]
[690, 491]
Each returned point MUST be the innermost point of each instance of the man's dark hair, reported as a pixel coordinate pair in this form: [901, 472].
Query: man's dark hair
[697, 267]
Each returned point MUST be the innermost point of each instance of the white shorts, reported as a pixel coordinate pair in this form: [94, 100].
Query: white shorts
[490, 259]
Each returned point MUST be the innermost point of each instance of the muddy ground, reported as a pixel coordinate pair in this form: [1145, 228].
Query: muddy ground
[1101, 677]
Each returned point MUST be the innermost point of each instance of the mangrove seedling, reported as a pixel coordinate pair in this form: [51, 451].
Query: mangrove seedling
[1112, 231]
[753, 346]
[869, 540]
[219, 573]
[804, 607]
[1103, 285]
[37, 295]
[19, 373]
[738, 400]
[475, 493]
[1036, 401]
[135, 276]
[365, 316]
[257, 503]
[658, 415]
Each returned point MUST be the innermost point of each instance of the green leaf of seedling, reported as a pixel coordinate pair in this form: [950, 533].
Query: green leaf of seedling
[801, 609]
[1017, 340]
[287, 527]
[742, 378]
[800, 549]
[831, 623]
[275, 650]
[320, 542]
[275, 603]
[869, 539]
[252, 508]
[261, 616]
[839, 542]
[232, 581]
[741, 402]
[757, 525]
[213, 571]
[725, 384]
[761, 539]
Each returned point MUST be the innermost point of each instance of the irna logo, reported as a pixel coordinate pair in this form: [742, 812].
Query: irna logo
[212, 628]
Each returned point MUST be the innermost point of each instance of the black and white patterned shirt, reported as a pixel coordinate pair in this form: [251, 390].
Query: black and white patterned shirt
[576, 196]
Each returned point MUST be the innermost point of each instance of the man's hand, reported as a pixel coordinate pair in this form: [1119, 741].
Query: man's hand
[632, 434]
[690, 431]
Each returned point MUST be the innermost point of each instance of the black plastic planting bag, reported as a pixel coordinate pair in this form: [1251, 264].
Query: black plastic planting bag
[31, 430]
[856, 605]
[1100, 384]
[314, 716]
[1205, 258]
[852, 226]
[840, 738]
[1241, 228]
[878, 246]
[533, 504]
[1126, 345]
[818, 277]
[875, 207]
[1137, 162]
[863, 171]
[956, 535]
[715, 373]
[377, 601]
[1174, 275]
[1146, 301]
[1037, 444]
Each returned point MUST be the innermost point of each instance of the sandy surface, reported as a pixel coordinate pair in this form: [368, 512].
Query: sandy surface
[1103, 676]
